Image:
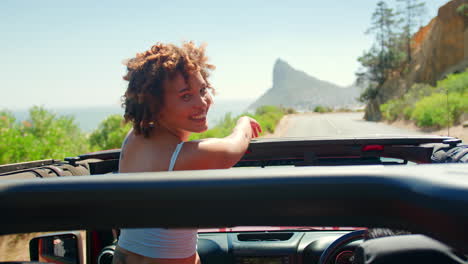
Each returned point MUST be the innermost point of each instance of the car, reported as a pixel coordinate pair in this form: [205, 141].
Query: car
[288, 200]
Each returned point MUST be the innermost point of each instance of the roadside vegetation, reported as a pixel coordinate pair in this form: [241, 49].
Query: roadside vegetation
[43, 135]
[431, 106]
[267, 116]
[390, 53]
[322, 109]
[327, 109]
[109, 134]
[389, 58]
[47, 135]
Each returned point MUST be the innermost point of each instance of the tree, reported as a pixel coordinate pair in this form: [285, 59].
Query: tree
[8, 135]
[44, 135]
[384, 56]
[411, 11]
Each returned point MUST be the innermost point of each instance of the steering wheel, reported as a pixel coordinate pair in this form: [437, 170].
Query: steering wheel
[331, 250]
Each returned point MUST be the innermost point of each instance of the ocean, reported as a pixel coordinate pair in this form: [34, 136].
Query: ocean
[88, 118]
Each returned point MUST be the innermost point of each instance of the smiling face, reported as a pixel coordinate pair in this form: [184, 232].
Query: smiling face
[186, 104]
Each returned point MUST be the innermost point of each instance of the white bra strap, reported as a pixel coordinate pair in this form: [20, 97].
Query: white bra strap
[174, 155]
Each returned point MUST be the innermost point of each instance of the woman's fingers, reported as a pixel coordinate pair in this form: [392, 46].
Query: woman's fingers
[256, 128]
[254, 125]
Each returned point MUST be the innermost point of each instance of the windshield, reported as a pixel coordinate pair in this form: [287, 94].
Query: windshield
[309, 69]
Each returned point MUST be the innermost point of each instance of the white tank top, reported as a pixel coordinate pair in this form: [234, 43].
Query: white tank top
[160, 242]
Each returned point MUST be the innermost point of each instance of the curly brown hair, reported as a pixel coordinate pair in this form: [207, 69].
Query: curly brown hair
[146, 74]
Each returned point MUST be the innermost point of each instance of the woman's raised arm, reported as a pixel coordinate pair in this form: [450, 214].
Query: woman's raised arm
[220, 153]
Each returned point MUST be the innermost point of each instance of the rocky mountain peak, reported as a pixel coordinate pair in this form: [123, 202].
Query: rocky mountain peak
[281, 65]
[295, 88]
[281, 70]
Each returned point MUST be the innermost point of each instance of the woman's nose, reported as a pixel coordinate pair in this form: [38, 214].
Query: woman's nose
[203, 101]
[208, 99]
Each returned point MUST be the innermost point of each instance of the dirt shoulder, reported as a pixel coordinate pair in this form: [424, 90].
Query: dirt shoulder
[454, 131]
[16, 247]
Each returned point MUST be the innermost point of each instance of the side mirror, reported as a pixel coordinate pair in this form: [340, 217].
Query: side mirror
[58, 248]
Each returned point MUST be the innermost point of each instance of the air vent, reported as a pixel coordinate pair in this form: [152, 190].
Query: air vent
[276, 236]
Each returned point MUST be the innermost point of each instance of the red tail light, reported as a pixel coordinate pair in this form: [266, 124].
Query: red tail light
[373, 148]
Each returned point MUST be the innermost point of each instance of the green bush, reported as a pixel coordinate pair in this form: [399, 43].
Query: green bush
[266, 109]
[322, 109]
[402, 108]
[7, 120]
[432, 110]
[407, 112]
[109, 134]
[392, 109]
[268, 117]
[44, 135]
[421, 97]
[454, 83]
[289, 111]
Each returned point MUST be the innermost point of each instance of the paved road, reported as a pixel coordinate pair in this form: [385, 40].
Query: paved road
[338, 125]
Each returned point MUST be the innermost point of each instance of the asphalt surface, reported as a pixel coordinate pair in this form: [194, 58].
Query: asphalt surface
[339, 125]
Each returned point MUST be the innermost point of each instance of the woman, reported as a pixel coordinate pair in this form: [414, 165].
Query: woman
[167, 99]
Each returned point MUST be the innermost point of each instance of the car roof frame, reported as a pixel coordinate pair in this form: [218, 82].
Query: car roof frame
[430, 199]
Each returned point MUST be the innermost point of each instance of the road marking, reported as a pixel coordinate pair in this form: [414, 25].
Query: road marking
[338, 131]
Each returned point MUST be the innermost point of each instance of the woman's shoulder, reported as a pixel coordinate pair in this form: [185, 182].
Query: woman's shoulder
[210, 153]
[143, 155]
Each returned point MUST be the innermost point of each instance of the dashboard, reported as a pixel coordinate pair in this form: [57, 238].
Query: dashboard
[256, 247]
[285, 247]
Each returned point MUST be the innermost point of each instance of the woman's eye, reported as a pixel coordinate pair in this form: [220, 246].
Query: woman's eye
[186, 97]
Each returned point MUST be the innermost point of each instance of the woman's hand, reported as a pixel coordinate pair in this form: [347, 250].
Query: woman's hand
[251, 123]
[220, 153]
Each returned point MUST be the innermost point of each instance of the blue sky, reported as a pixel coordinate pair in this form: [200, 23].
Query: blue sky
[69, 54]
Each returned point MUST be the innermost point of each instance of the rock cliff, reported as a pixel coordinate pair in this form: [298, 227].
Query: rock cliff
[438, 49]
[293, 88]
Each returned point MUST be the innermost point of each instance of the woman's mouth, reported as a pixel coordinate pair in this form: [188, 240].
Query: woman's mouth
[198, 118]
